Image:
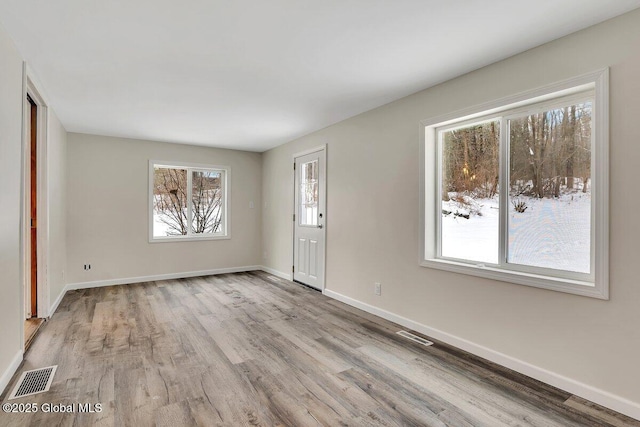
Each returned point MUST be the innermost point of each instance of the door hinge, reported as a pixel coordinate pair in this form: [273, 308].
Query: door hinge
[294, 217]
[294, 165]
[293, 268]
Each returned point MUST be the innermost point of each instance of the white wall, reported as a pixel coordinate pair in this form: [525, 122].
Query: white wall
[57, 199]
[373, 162]
[108, 210]
[11, 296]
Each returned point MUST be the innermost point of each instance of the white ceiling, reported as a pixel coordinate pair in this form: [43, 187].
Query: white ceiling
[253, 74]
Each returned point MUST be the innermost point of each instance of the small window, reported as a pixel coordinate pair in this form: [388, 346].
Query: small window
[188, 202]
[309, 193]
[517, 191]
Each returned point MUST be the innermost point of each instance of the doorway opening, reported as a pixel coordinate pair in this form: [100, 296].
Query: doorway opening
[32, 120]
[34, 210]
[32, 323]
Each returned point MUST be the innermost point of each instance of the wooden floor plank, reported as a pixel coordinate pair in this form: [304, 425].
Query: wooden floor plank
[257, 350]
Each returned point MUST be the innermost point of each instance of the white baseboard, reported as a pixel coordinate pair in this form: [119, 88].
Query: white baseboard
[601, 397]
[140, 279]
[277, 273]
[8, 373]
[56, 303]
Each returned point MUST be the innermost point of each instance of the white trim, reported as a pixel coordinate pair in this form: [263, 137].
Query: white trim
[31, 87]
[35, 82]
[600, 185]
[11, 370]
[42, 199]
[559, 89]
[191, 238]
[57, 302]
[601, 397]
[309, 151]
[170, 276]
[576, 287]
[594, 284]
[277, 273]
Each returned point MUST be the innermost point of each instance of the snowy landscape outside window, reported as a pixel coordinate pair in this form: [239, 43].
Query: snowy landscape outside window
[188, 202]
[520, 192]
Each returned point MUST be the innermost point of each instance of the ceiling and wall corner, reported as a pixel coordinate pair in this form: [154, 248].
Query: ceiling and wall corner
[250, 74]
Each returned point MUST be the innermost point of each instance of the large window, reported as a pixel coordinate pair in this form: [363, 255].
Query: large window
[187, 201]
[517, 191]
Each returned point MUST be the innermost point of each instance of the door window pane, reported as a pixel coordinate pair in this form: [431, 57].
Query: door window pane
[206, 202]
[470, 196]
[550, 189]
[309, 193]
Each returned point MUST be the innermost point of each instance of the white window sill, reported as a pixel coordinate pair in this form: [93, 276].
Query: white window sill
[570, 286]
[187, 238]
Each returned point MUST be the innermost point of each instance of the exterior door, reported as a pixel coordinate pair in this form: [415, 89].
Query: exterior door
[309, 219]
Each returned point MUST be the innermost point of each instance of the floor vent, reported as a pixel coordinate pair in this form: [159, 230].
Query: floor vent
[34, 382]
[415, 338]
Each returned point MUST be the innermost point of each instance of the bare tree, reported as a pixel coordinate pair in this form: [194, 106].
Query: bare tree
[170, 200]
[549, 155]
[206, 200]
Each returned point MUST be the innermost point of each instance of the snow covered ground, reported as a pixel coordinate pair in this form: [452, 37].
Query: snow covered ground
[160, 229]
[551, 233]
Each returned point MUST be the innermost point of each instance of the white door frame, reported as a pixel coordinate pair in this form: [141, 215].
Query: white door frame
[31, 87]
[322, 148]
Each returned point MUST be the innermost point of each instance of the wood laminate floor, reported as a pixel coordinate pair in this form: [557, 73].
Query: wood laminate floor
[252, 349]
[31, 327]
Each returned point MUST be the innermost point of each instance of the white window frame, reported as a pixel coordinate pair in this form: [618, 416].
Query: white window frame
[595, 86]
[226, 201]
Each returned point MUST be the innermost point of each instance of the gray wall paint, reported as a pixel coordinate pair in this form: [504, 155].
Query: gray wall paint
[11, 290]
[11, 287]
[108, 211]
[57, 197]
[373, 162]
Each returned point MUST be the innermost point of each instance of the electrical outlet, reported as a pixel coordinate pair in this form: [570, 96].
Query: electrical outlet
[377, 288]
[87, 267]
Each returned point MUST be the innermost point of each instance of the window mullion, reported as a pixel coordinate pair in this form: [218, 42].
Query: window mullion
[504, 191]
[223, 206]
[189, 201]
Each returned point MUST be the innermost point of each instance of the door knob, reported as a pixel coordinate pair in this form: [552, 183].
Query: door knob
[319, 225]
